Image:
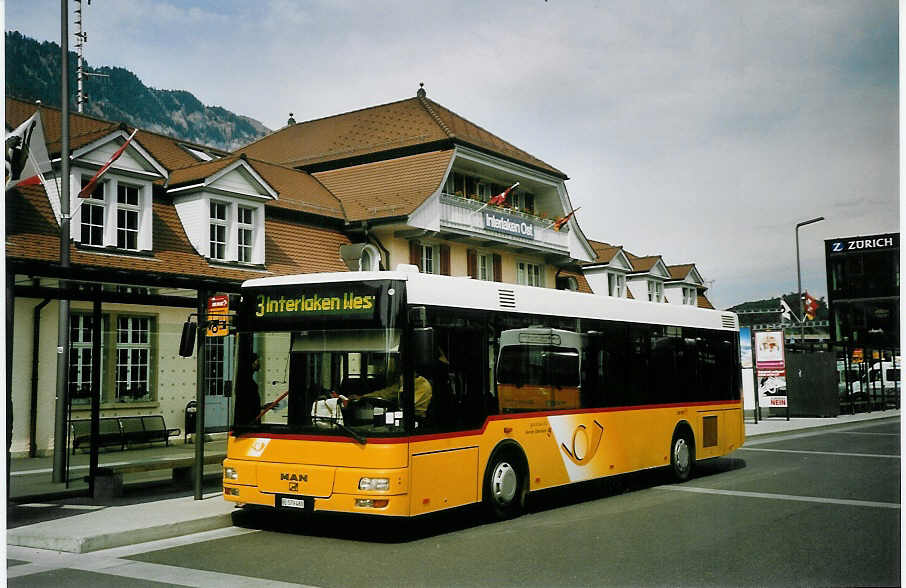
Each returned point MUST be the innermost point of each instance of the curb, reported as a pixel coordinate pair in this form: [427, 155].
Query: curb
[125, 525]
[821, 427]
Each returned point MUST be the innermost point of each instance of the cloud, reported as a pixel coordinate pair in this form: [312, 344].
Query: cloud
[699, 130]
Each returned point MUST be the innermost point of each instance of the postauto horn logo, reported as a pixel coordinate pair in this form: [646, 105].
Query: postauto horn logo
[584, 448]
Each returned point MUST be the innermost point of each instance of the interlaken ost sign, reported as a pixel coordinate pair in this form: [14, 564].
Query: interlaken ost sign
[509, 224]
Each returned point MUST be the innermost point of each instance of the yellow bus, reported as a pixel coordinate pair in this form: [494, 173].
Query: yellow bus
[399, 393]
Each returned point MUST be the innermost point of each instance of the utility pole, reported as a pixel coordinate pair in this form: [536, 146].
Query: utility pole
[62, 400]
[799, 280]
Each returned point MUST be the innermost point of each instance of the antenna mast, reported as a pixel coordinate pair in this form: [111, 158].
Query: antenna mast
[81, 39]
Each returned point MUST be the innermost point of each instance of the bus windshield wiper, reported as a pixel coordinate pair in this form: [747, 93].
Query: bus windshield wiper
[354, 434]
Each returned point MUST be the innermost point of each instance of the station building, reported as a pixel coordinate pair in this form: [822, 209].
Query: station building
[173, 223]
[863, 288]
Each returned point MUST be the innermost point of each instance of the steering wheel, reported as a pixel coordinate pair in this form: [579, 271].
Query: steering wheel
[375, 402]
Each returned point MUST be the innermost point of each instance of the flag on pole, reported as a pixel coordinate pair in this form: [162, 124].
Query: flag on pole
[497, 200]
[558, 224]
[89, 187]
[501, 198]
[787, 313]
[26, 153]
[811, 306]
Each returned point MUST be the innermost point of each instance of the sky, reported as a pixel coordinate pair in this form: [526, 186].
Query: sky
[702, 131]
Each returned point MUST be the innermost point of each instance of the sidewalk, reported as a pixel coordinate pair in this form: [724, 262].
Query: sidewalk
[102, 526]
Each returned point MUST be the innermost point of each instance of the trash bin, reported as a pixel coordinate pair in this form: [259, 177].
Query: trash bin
[191, 414]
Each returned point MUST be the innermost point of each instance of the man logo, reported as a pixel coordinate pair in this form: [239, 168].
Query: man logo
[294, 486]
[584, 449]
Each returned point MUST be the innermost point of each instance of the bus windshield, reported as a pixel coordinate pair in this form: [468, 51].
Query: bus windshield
[335, 382]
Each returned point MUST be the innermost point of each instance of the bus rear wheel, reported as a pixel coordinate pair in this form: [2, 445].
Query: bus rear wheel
[504, 485]
[682, 456]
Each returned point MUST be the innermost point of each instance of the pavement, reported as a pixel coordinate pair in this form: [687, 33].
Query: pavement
[80, 525]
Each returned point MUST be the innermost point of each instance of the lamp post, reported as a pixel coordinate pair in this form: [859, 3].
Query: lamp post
[799, 278]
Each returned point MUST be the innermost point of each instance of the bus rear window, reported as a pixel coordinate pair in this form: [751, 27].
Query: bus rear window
[536, 365]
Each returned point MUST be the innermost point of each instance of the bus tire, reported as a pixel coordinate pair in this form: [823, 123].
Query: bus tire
[682, 454]
[505, 486]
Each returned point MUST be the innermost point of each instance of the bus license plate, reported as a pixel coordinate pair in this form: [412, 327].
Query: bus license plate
[300, 503]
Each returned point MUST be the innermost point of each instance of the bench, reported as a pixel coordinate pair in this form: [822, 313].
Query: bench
[122, 431]
[109, 480]
[109, 433]
[146, 429]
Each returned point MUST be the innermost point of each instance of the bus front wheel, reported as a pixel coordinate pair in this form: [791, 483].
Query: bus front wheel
[504, 485]
[682, 455]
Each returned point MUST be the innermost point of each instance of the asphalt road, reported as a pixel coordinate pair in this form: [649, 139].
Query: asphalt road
[813, 508]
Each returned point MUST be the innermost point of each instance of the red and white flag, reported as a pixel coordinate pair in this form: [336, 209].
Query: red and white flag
[811, 306]
[558, 224]
[26, 153]
[89, 187]
[501, 198]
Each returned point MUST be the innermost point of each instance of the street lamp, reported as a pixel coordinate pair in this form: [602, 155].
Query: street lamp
[799, 279]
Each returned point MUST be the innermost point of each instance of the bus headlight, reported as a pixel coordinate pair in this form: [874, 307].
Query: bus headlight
[230, 474]
[374, 484]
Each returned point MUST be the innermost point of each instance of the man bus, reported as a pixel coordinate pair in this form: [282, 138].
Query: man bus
[449, 391]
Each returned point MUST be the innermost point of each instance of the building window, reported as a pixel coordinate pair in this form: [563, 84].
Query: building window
[655, 291]
[93, 215]
[525, 202]
[218, 230]
[127, 217]
[690, 296]
[133, 358]
[485, 267]
[430, 264]
[246, 235]
[616, 285]
[215, 381]
[80, 358]
[529, 274]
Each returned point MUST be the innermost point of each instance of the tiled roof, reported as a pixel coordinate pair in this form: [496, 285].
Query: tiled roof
[85, 129]
[471, 133]
[604, 252]
[581, 282]
[703, 301]
[679, 272]
[297, 190]
[33, 235]
[394, 187]
[409, 123]
[642, 264]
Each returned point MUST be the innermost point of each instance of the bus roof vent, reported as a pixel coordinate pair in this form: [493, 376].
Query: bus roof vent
[728, 321]
[506, 298]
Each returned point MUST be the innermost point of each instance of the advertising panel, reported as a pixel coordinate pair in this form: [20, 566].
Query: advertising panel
[745, 347]
[770, 368]
[218, 316]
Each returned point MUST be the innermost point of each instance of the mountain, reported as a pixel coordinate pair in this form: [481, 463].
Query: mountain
[33, 73]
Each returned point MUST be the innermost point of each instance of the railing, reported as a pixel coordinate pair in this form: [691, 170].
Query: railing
[463, 213]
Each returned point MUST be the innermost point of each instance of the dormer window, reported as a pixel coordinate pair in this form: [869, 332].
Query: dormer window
[655, 291]
[117, 214]
[616, 285]
[246, 232]
[93, 215]
[690, 296]
[233, 229]
[218, 230]
[127, 215]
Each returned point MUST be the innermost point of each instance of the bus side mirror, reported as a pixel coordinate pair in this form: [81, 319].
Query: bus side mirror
[423, 348]
[187, 340]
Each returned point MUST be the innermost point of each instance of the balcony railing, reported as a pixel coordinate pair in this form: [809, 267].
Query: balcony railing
[469, 215]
